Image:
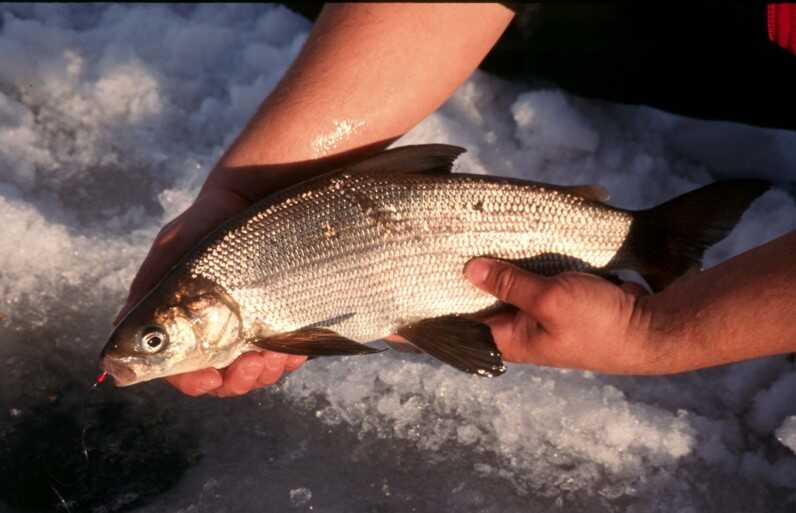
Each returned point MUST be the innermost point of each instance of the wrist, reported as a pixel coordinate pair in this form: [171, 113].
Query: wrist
[685, 330]
[254, 181]
[667, 335]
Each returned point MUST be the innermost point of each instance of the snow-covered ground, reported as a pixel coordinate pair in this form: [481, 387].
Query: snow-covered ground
[110, 116]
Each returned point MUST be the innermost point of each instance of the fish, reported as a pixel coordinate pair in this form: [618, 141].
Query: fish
[378, 247]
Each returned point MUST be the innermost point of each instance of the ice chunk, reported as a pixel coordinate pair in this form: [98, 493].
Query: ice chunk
[772, 405]
[129, 91]
[548, 119]
[786, 433]
[300, 496]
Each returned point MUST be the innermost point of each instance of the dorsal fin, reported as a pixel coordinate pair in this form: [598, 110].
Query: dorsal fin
[437, 159]
[590, 192]
[430, 159]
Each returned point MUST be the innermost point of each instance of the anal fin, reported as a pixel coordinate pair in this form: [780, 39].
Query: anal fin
[458, 341]
[313, 341]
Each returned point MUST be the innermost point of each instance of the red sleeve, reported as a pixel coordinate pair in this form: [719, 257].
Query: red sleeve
[782, 25]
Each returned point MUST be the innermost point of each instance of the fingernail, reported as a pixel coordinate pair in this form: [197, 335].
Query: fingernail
[477, 270]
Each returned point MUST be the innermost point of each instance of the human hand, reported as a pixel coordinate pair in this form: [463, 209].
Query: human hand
[249, 371]
[571, 320]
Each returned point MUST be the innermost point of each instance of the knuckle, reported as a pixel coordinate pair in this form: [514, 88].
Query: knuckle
[504, 281]
[566, 283]
[552, 297]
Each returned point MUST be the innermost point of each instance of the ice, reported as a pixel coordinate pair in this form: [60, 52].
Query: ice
[300, 497]
[787, 433]
[110, 118]
[545, 119]
[770, 406]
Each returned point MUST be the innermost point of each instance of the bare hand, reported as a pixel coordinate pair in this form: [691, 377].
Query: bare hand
[571, 320]
[250, 370]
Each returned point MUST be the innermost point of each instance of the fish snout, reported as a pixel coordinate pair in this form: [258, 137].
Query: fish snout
[122, 374]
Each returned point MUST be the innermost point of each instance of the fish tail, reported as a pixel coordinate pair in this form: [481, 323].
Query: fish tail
[668, 241]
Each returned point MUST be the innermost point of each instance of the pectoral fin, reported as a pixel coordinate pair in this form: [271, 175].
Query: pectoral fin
[313, 342]
[458, 341]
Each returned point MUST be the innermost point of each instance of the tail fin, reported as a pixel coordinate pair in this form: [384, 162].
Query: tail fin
[669, 240]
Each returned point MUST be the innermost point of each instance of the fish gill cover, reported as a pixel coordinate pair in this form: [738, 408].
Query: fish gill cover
[110, 118]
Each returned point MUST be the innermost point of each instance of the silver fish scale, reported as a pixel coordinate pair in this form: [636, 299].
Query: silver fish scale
[377, 252]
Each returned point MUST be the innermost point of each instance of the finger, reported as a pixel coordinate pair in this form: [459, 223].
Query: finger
[171, 242]
[294, 361]
[396, 338]
[510, 284]
[519, 338]
[273, 369]
[241, 375]
[499, 324]
[400, 344]
[197, 382]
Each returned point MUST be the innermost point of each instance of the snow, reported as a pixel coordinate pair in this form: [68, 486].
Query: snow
[300, 497]
[110, 117]
[787, 433]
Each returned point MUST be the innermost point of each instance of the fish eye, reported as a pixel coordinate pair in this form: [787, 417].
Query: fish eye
[153, 339]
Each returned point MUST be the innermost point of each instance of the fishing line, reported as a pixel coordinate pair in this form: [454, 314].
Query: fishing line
[100, 379]
[52, 479]
[61, 498]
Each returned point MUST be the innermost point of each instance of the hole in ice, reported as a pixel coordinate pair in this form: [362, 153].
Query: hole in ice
[134, 455]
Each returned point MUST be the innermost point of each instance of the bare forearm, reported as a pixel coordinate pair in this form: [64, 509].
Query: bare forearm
[367, 74]
[744, 308]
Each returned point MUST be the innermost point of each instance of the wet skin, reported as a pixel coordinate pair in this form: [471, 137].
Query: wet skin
[297, 133]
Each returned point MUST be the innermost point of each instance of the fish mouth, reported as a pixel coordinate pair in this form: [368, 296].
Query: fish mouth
[122, 374]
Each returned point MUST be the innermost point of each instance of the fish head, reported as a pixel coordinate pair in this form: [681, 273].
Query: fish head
[182, 325]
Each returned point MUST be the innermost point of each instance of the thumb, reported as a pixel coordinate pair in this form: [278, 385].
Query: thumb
[527, 291]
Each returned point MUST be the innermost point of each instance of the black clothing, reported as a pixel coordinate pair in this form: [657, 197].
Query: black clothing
[709, 60]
